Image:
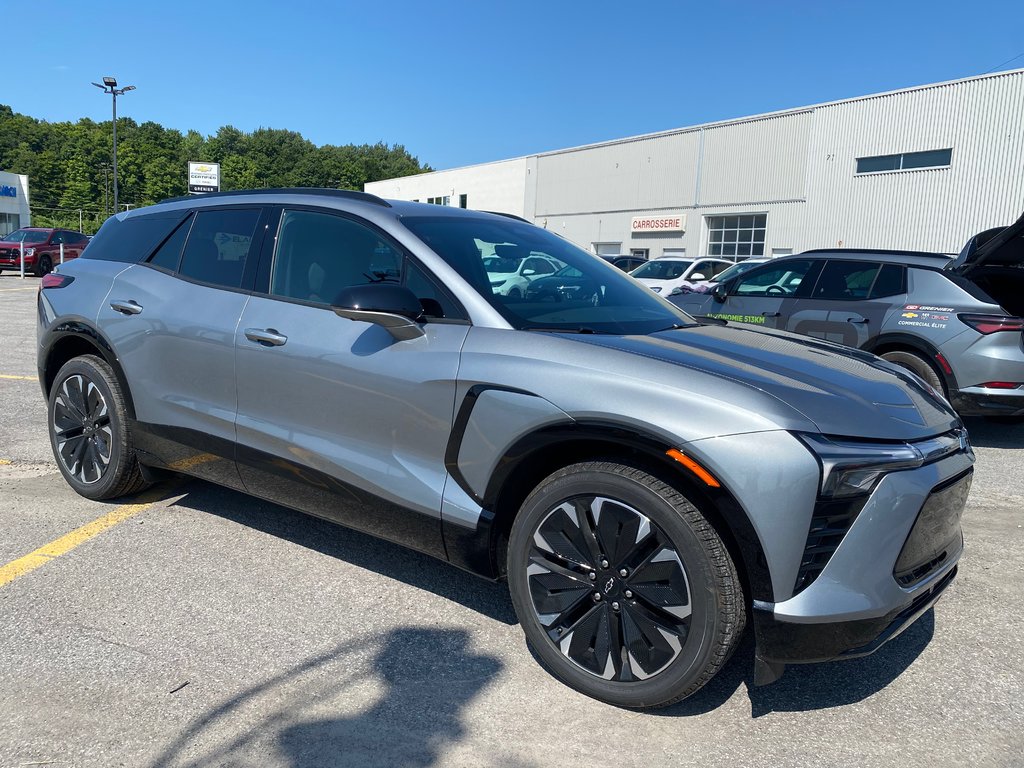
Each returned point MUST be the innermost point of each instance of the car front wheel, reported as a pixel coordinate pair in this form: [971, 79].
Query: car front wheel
[623, 588]
[89, 432]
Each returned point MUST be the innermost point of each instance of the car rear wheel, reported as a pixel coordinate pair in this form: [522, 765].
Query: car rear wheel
[89, 432]
[917, 364]
[623, 588]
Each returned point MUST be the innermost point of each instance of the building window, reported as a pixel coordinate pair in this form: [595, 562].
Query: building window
[640, 253]
[906, 161]
[607, 249]
[463, 201]
[446, 200]
[737, 235]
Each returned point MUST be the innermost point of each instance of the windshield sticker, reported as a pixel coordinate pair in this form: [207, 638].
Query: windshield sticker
[755, 319]
[925, 308]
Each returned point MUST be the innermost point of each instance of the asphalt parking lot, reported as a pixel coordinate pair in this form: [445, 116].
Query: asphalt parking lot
[194, 626]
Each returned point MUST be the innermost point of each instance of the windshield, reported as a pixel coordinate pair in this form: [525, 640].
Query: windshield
[27, 236]
[736, 270]
[587, 295]
[662, 269]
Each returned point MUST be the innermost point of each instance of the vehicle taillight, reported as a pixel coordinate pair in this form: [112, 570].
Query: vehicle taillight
[993, 323]
[1001, 385]
[55, 280]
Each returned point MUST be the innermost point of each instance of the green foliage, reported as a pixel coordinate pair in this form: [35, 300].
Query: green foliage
[68, 164]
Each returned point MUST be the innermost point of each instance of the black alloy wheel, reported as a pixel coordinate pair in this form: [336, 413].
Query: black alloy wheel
[44, 266]
[623, 589]
[89, 433]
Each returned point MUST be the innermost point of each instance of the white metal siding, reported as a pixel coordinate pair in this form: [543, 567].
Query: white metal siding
[637, 175]
[756, 161]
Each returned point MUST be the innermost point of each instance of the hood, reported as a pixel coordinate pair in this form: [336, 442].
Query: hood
[998, 247]
[842, 391]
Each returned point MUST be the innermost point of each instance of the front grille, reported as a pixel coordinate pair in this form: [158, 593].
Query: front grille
[831, 521]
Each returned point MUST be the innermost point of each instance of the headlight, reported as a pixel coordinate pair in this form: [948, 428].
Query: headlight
[656, 288]
[851, 468]
[498, 283]
[30, 251]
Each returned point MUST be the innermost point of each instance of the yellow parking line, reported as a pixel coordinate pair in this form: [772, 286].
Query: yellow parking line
[20, 378]
[69, 541]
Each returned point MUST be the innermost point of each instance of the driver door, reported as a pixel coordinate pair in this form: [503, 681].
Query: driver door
[767, 295]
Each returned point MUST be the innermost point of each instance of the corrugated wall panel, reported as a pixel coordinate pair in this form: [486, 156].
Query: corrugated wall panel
[755, 161]
[635, 175]
[936, 209]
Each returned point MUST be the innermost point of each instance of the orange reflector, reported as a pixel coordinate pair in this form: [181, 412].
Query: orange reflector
[694, 467]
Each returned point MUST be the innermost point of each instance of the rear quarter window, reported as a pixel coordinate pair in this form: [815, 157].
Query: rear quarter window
[133, 239]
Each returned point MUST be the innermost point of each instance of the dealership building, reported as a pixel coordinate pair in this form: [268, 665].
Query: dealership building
[14, 207]
[920, 168]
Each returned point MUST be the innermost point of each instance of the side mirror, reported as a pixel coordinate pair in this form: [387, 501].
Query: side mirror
[393, 307]
[529, 272]
[698, 276]
[720, 293]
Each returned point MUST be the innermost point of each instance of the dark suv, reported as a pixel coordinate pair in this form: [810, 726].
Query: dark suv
[42, 248]
[646, 482]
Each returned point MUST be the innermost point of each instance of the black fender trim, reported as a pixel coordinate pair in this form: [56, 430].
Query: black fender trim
[926, 349]
[82, 331]
[478, 550]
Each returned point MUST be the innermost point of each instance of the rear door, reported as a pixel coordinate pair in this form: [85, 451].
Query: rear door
[849, 301]
[173, 320]
[335, 416]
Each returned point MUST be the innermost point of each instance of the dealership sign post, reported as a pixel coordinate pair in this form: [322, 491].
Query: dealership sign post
[203, 178]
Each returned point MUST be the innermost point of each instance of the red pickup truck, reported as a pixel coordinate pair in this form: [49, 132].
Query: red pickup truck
[42, 248]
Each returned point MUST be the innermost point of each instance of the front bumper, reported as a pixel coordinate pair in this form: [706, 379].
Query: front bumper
[894, 562]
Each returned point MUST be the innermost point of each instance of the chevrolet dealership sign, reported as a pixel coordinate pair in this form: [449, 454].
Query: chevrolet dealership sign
[662, 222]
[203, 177]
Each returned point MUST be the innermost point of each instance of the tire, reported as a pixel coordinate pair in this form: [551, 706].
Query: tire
[578, 611]
[89, 432]
[917, 364]
[44, 266]
[515, 293]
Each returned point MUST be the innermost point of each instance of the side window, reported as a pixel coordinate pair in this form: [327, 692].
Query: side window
[168, 255]
[319, 254]
[706, 268]
[58, 238]
[779, 279]
[891, 280]
[845, 280]
[218, 246]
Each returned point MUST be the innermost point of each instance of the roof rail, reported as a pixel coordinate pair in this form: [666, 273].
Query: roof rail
[881, 251]
[350, 194]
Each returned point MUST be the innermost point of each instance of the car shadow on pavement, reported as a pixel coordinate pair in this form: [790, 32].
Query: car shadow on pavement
[992, 433]
[805, 687]
[420, 680]
[414, 568]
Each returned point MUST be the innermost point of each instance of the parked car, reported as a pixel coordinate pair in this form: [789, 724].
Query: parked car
[647, 483]
[705, 286]
[511, 274]
[42, 248]
[666, 274]
[956, 323]
[625, 262]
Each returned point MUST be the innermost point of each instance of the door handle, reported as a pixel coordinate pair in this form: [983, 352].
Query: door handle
[268, 337]
[770, 314]
[130, 307]
[855, 321]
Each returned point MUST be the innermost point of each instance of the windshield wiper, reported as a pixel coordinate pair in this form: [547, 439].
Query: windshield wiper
[563, 330]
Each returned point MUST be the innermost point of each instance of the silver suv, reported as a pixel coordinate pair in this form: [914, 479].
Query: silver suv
[648, 484]
[956, 323]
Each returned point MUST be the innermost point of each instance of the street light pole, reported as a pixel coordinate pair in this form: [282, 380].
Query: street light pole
[110, 86]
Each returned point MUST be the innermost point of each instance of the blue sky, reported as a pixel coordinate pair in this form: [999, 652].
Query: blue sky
[467, 82]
